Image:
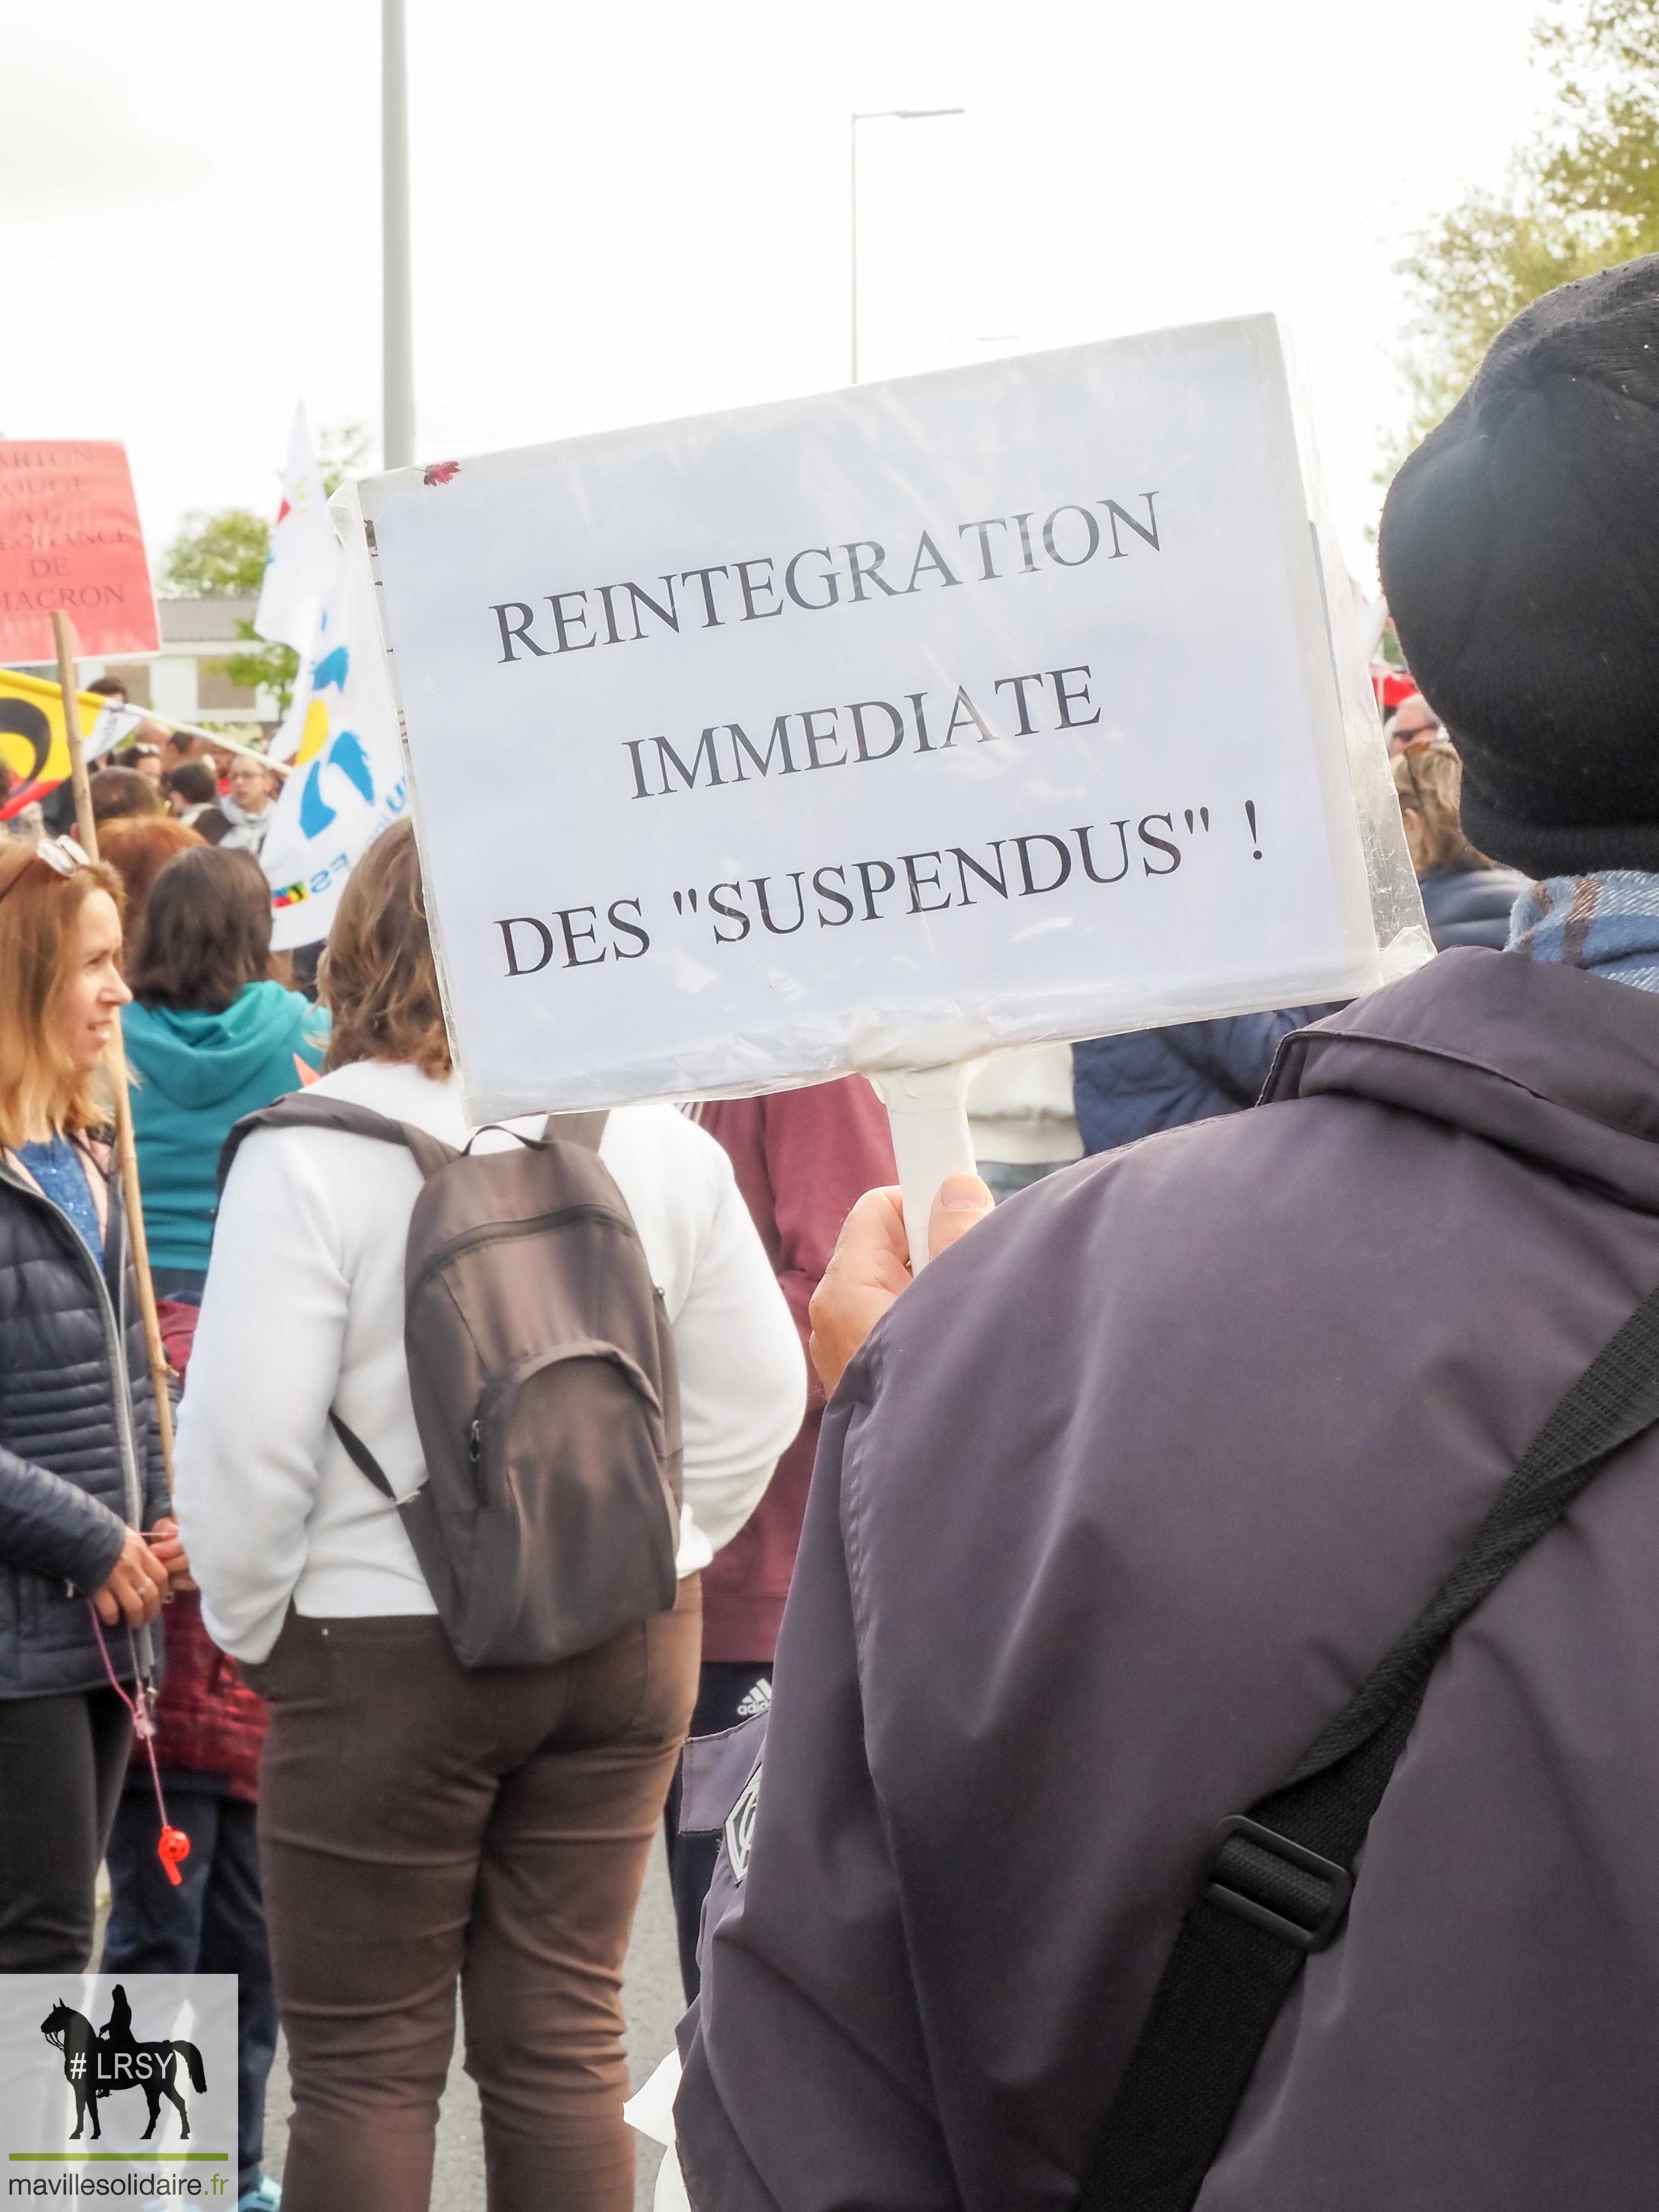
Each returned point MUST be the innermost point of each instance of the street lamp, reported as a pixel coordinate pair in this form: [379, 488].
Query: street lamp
[878, 115]
[397, 334]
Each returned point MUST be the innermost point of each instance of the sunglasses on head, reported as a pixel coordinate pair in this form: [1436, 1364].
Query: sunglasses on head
[62, 855]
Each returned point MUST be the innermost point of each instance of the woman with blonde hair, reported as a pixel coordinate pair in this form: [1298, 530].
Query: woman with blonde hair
[80, 1469]
[1467, 897]
[423, 1827]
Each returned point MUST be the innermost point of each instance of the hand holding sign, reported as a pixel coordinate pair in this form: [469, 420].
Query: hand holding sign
[872, 1264]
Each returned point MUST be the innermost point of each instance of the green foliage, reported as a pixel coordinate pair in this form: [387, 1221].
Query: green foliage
[217, 556]
[1584, 195]
[223, 556]
[342, 449]
[265, 668]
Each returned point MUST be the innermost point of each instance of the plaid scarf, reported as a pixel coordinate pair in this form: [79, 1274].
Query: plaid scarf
[1606, 924]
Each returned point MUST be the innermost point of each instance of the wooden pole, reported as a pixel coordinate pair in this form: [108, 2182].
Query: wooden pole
[127, 1151]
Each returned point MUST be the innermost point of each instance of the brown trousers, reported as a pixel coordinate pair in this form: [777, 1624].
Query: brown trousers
[419, 1826]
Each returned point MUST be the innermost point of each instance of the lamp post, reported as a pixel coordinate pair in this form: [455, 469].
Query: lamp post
[398, 332]
[875, 115]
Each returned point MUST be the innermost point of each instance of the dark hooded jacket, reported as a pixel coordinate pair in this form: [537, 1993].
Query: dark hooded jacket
[1112, 1513]
[1469, 906]
[1130, 1086]
[79, 1449]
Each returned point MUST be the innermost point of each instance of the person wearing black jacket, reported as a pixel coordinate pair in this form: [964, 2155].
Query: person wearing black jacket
[80, 1469]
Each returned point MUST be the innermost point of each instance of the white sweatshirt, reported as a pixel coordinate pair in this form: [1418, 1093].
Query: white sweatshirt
[1019, 1106]
[304, 1311]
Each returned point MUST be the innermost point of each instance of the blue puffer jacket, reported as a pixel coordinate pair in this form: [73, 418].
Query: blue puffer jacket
[1126, 1087]
[1469, 906]
[80, 1452]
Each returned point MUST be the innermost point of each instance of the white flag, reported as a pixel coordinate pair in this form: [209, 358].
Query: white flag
[289, 733]
[113, 726]
[1371, 617]
[304, 555]
[347, 782]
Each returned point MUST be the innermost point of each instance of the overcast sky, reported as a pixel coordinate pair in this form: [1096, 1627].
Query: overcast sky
[622, 213]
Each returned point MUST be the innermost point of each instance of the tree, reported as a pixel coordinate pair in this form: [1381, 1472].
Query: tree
[217, 556]
[1582, 195]
[269, 667]
[223, 556]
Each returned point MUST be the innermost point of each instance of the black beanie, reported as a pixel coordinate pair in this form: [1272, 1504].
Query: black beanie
[1520, 557]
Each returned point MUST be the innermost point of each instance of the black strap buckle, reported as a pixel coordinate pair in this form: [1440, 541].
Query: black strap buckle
[1276, 1884]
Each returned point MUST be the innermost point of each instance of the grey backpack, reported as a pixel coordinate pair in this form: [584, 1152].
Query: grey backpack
[545, 1388]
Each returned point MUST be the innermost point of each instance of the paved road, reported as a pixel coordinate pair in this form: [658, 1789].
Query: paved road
[651, 1994]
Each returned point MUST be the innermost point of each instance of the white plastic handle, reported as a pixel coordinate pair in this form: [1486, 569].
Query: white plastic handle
[926, 1111]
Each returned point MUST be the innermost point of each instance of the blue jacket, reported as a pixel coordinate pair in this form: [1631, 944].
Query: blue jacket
[1469, 906]
[80, 1451]
[1126, 1087]
[198, 1074]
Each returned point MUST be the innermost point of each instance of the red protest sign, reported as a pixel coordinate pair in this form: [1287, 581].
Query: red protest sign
[70, 539]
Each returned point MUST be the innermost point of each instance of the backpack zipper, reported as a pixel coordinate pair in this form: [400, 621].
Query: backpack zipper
[490, 1230]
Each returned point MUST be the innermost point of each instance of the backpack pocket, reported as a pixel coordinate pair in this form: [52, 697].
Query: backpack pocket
[576, 1530]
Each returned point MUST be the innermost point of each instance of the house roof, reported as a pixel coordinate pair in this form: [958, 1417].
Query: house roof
[202, 622]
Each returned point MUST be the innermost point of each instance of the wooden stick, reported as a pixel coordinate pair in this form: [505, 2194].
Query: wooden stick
[127, 1151]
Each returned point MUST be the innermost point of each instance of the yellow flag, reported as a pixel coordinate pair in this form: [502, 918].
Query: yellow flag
[31, 740]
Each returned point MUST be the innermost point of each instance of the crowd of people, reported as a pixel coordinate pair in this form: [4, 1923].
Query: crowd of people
[988, 1596]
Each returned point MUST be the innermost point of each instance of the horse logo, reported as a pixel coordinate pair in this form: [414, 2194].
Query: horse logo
[100, 2063]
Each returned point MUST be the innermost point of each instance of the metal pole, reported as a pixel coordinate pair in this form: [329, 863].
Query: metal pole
[855, 248]
[397, 435]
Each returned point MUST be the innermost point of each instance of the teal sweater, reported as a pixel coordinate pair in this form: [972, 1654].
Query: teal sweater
[196, 1074]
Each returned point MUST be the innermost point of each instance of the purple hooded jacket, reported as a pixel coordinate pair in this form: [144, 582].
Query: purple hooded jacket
[1111, 1514]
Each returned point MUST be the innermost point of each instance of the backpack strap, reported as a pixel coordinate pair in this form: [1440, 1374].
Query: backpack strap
[1277, 1880]
[299, 1111]
[360, 1456]
[583, 1129]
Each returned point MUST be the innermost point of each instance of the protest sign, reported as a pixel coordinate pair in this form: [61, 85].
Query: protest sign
[33, 744]
[70, 543]
[881, 729]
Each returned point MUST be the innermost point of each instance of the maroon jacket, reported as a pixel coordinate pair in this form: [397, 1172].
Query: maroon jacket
[1113, 1512]
[208, 1721]
[802, 1159]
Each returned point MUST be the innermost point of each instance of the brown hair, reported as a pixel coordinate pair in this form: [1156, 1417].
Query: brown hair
[116, 791]
[1429, 779]
[39, 915]
[377, 976]
[207, 933]
[138, 847]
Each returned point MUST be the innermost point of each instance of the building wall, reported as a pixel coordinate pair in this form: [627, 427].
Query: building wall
[186, 680]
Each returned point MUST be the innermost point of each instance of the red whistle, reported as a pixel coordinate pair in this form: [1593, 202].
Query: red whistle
[173, 1846]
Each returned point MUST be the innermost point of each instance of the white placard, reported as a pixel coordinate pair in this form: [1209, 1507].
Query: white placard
[883, 728]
